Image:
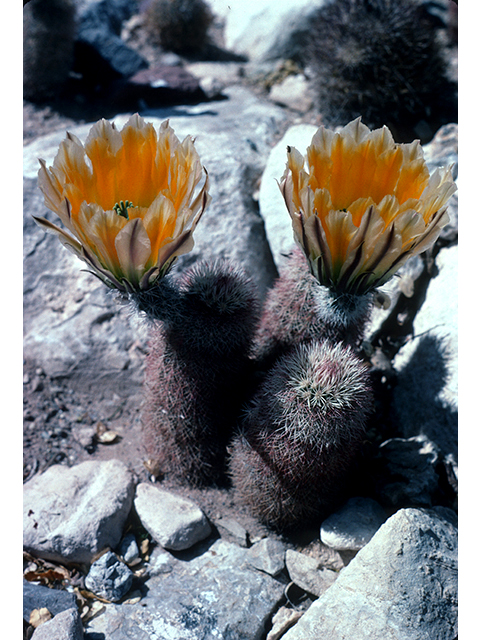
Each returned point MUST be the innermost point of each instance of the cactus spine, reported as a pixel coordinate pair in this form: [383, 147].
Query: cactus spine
[197, 369]
[301, 434]
[379, 59]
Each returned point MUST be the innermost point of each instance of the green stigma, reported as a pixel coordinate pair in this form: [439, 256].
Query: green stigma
[121, 208]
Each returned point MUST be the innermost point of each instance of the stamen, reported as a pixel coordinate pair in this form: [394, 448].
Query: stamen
[121, 208]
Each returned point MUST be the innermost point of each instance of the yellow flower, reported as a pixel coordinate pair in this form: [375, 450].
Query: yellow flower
[127, 200]
[364, 205]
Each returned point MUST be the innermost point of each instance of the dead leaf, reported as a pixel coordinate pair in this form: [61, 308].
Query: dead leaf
[104, 435]
[39, 616]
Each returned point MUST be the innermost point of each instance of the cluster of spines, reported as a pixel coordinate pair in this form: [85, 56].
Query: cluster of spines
[379, 59]
[179, 25]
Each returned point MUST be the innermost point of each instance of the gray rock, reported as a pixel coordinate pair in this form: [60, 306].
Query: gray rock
[425, 400]
[407, 474]
[267, 555]
[401, 586]
[215, 595]
[350, 528]
[174, 522]
[64, 626]
[293, 92]
[283, 620]
[36, 596]
[266, 29]
[109, 577]
[70, 514]
[99, 41]
[307, 573]
[232, 531]
[128, 548]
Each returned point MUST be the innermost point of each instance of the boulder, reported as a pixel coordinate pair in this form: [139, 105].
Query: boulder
[265, 30]
[71, 514]
[213, 595]
[36, 596]
[401, 586]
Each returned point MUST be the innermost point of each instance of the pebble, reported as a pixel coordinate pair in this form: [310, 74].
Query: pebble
[109, 577]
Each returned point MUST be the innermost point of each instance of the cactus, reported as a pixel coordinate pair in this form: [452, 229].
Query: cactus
[301, 434]
[48, 45]
[379, 59]
[198, 369]
[298, 308]
[179, 25]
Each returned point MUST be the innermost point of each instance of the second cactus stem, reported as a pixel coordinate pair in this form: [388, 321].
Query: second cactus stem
[300, 437]
[198, 369]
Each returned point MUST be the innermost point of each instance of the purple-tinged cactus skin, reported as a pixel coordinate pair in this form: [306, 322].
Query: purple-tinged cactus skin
[301, 435]
[298, 308]
[198, 370]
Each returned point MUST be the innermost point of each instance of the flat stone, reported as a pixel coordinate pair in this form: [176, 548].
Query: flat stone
[283, 620]
[109, 577]
[350, 528]
[267, 555]
[307, 573]
[64, 626]
[71, 514]
[214, 595]
[36, 596]
[401, 586]
[174, 522]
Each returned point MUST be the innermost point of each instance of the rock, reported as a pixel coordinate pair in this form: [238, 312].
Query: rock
[64, 626]
[278, 224]
[101, 54]
[307, 573]
[72, 324]
[267, 555]
[401, 586]
[293, 92]
[268, 29]
[325, 556]
[128, 549]
[407, 475]
[283, 620]
[70, 514]
[214, 595]
[232, 531]
[425, 398]
[174, 522]
[109, 578]
[350, 528]
[36, 596]
[156, 87]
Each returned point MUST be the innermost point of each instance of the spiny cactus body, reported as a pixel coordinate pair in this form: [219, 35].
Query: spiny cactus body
[48, 45]
[299, 309]
[301, 434]
[197, 372]
[179, 25]
[379, 59]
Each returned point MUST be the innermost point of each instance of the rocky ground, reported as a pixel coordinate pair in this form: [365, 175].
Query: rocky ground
[83, 369]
